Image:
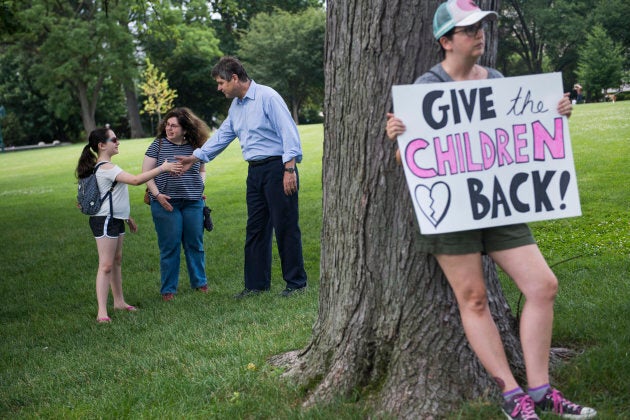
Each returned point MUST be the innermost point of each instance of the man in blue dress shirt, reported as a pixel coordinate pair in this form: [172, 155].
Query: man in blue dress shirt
[270, 142]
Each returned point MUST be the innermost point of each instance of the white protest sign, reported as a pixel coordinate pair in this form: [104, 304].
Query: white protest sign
[487, 152]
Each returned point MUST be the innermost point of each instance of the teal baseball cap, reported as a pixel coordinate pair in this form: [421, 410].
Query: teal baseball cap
[455, 13]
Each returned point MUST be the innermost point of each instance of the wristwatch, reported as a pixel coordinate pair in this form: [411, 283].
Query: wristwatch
[289, 170]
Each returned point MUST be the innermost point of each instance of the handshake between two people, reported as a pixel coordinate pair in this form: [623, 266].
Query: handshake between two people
[182, 164]
[175, 168]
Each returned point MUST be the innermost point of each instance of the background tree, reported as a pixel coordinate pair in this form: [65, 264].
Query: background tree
[54, 63]
[158, 95]
[128, 73]
[9, 23]
[542, 36]
[601, 64]
[76, 56]
[179, 37]
[28, 119]
[72, 51]
[613, 17]
[76, 63]
[388, 324]
[286, 52]
[235, 16]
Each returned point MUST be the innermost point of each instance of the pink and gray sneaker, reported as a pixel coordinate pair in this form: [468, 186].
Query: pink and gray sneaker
[520, 407]
[554, 402]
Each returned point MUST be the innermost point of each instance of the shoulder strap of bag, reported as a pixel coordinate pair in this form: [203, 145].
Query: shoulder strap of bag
[157, 161]
[98, 165]
[113, 183]
[436, 75]
[109, 192]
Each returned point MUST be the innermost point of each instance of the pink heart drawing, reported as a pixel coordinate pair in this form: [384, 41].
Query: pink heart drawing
[434, 201]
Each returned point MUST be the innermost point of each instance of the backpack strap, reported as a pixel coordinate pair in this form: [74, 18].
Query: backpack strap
[109, 192]
[157, 161]
[436, 75]
[111, 200]
[97, 166]
[113, 183]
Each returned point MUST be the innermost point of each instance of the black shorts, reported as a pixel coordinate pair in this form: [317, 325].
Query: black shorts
[106, 226]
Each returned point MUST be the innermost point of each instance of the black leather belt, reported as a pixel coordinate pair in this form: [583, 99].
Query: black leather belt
[254, 163]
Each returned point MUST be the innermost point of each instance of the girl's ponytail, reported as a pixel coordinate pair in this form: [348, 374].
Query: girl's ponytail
[89, 154]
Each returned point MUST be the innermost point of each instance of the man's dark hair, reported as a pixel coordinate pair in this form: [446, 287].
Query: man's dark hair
[228, 66]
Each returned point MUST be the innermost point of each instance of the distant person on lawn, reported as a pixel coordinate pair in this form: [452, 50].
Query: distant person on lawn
[108, 225]
[271, 145]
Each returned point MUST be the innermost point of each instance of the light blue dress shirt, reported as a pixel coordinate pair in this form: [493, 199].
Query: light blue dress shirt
[263, 124]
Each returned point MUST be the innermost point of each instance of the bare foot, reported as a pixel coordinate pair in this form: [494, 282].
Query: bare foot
[126, 307]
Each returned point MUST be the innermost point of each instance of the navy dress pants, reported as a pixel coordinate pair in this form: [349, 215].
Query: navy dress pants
[269, 209]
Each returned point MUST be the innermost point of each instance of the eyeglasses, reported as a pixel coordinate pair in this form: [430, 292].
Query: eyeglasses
[472, 30]
[111, 139]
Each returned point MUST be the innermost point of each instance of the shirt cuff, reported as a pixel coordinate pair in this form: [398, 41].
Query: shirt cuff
[287, 157]
[200, 155]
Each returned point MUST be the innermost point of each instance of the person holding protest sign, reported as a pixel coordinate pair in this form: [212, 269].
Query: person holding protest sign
[458, 26]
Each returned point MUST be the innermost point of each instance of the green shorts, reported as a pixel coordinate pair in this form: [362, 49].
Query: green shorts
[480, 240]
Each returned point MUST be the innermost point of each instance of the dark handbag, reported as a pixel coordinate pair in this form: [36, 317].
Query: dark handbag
[207, 219]
[147, 195]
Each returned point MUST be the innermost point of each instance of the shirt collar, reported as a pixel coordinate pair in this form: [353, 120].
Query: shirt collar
[251, 92]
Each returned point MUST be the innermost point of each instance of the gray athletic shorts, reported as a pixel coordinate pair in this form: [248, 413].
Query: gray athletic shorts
[479, 240]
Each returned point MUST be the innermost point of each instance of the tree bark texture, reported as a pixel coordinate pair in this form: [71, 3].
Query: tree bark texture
[388, 321]
[133, 110]
[88, 99]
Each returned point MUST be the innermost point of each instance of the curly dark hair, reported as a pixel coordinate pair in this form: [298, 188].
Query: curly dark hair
[197, 131]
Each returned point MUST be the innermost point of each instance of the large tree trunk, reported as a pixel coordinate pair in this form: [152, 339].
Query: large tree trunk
[133, 110]
[88, 102]
[388, 321]
[295, 110]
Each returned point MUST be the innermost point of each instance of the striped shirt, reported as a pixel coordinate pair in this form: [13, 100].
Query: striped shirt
[188, 186]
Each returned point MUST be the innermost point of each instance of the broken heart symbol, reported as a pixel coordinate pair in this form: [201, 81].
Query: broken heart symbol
[434, 201]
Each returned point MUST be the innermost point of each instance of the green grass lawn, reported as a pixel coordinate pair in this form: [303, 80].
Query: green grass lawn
[204, 356]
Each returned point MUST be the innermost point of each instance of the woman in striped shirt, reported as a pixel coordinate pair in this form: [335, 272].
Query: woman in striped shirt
[177, 200]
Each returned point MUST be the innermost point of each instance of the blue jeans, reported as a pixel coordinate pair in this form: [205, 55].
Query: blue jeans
[182, 226]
